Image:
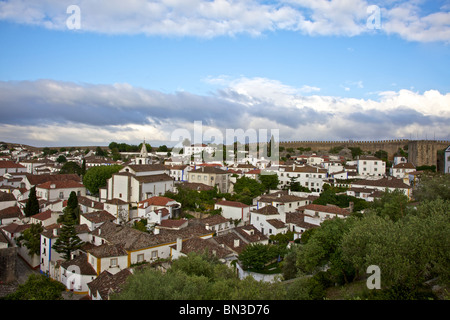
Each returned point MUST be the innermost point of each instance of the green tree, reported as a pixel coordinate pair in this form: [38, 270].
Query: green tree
[31, 238]
[70, 167]
[356, 151]
[323, 248]
[269, 181]
[163, 148]
[96, 177]
[248, 187]
[257, 255]
[196, 277]
[432, 186]
[83, 168]
[393, 204]
[408, 251]
[61, 159]
[99, 152]
[38, 287]
[32, 205]
[67, 241]
[71, 211]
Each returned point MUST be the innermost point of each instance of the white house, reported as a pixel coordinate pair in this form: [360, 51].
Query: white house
[60, 189]
[371, 166]
[319, 213]
[298, 223]
[95, 219]
[333, 166]
[289, 201]
[194, 149]
[10, 215]
[157, 208]
[217, 224]
[140, 246]
[179, 172]
[234, 210]
[45, 218]
[447, 160]
[106, 283]
[135, 183]
[110, 257]
[402, 170]
[76, 273]
[50, 259]
[387, 183]
[7, 200]
[308, 176]
[267, 220]
[8, 166]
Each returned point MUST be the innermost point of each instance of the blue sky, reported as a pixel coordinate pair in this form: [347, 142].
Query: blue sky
[312, 69]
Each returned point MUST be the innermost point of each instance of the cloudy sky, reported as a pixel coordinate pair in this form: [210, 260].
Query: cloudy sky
[90, 72]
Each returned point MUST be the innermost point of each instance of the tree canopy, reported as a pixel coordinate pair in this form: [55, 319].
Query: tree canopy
[38, 287]
[196, 277]
[32, 205]
[96, 177]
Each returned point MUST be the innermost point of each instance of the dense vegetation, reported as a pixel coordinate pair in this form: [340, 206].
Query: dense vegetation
[407, 242]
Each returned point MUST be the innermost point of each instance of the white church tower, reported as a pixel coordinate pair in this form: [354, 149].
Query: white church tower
[143, 157]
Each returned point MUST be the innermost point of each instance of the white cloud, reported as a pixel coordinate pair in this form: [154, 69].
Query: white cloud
[68, 113]
[207, 19]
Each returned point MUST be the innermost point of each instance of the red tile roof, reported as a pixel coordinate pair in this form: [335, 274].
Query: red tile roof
[232, 204]
[64, 184]
[155, 201]
[43, 215]
[322, 208]
[10, 164]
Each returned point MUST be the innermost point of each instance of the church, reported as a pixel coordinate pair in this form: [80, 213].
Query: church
[138, 181]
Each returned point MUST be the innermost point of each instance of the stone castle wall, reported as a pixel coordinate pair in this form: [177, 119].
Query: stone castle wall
[420, 152]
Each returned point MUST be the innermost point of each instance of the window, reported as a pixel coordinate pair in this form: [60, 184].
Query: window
[61, 195]
[113, 262]
[140, 257]
[154, 254]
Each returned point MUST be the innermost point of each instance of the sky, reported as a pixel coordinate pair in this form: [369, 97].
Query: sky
[79, 73]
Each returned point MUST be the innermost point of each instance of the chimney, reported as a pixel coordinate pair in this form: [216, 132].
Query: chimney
[351, 206]
[159, 215]
[236, 243]
[156, 230]
[55, 231]
[179, 244]
[282, 212]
